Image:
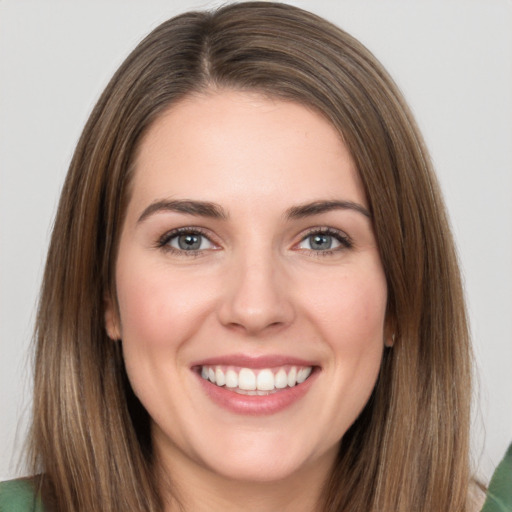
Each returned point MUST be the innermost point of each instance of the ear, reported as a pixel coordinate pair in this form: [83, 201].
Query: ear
[389, 341]
[390, 335]
[112, 324]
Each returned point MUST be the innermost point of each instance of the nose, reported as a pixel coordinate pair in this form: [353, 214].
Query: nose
[256, 296]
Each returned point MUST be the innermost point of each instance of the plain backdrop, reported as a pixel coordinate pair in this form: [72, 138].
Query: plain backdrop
[451, 58]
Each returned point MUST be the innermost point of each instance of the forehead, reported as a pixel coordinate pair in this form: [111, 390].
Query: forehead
[237, 146]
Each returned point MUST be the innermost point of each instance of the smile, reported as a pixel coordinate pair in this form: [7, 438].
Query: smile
[262, 381]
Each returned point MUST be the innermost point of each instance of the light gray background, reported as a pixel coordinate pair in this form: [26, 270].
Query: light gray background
[452, 59]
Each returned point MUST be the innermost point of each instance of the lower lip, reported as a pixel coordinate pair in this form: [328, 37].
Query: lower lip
[255, 404]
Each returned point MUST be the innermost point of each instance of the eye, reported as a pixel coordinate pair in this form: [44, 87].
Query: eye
[186, 240]
[325, 240]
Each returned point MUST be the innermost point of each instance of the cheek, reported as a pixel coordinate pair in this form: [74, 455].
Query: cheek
[350, 318]
[351, 310]
[365, 310]
[158, 308]
[357, 342]
[357, 335]
[143, 311]
[160, 312]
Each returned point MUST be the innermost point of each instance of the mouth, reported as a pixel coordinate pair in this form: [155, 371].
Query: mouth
[255, 382]
[256, 385]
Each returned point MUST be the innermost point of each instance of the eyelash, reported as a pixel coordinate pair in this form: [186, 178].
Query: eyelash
[163, 241]
[342, 238]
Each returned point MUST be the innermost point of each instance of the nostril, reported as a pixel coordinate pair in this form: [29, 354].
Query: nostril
[254, 298]
[253, 328]
[254, 320]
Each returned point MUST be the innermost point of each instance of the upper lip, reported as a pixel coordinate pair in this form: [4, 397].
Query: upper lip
[255, 362]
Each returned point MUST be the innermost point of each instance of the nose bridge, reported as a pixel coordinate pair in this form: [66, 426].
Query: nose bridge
[256, 295]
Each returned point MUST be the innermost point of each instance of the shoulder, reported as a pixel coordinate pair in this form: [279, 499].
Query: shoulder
[19, 496]
[476, 497]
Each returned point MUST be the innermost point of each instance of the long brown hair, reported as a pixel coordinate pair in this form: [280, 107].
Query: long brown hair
[408, 450]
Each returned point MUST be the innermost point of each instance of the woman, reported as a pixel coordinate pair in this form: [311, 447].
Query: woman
[251, 296]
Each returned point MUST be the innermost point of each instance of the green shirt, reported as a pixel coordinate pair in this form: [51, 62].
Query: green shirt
[19, 496]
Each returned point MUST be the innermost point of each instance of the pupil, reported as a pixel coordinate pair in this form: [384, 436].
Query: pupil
[189, 242]
[321, 242]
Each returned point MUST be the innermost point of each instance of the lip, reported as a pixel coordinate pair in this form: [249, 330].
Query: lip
[254, 362]
[255, 404]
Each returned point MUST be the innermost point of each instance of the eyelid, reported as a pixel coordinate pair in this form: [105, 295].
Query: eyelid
[340, 236]
[163, 241]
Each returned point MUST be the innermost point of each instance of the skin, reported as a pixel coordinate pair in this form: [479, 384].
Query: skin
[256, 287]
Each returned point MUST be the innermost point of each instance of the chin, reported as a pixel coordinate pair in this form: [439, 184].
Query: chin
[263, 470]
[265, 457]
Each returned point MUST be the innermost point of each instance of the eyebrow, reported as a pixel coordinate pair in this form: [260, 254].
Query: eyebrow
[198, 208]
[318, 207]
[215, 211]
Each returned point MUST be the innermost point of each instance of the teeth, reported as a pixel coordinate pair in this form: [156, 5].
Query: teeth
[265, 381]
[281, 379]
[231, 379]
[292, 377]
[220, 378]
[302, 375]
[255, 382]
[246, 379]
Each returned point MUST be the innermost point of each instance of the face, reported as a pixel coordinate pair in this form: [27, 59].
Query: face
[251, 295]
